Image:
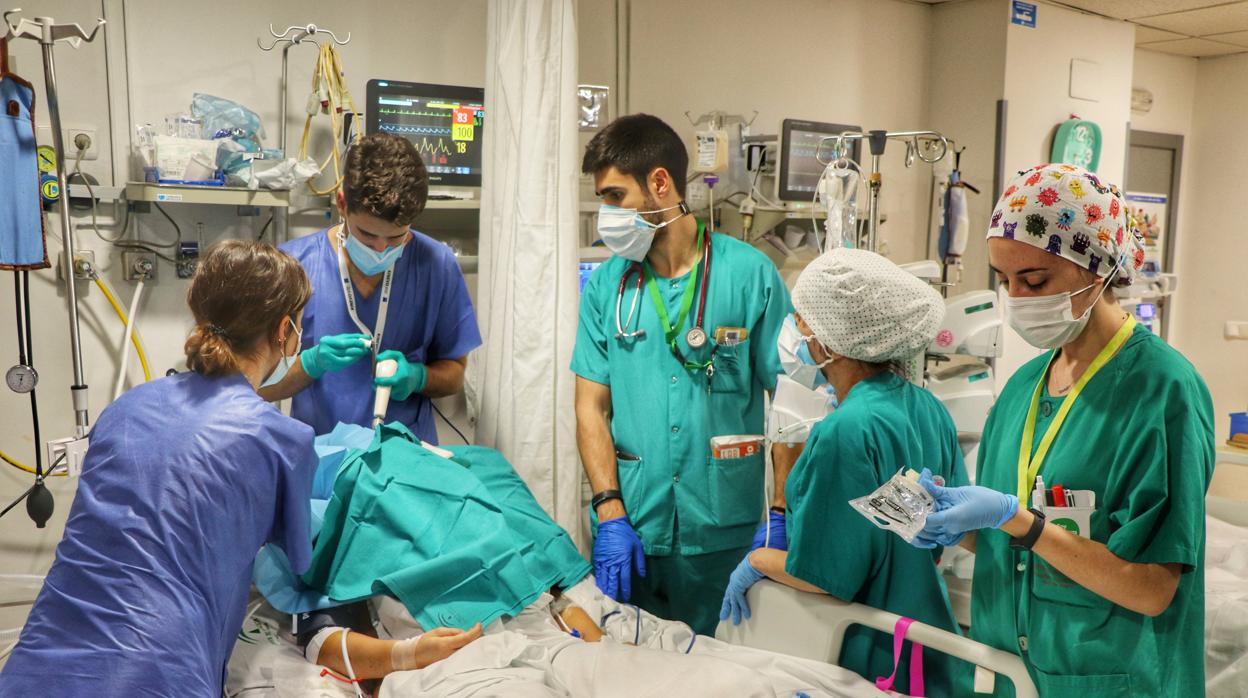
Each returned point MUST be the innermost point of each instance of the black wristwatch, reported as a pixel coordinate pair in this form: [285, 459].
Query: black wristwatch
[779, 510]
[1033, 534]
[605, 496]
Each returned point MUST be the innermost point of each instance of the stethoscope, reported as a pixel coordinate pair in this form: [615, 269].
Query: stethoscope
[696, 336]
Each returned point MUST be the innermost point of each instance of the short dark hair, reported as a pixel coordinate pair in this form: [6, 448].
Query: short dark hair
[635, 145]
[386, 178]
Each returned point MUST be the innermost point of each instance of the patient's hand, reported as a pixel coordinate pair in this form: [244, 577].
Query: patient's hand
[440, 643]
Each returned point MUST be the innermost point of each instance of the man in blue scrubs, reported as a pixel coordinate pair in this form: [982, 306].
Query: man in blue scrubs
[381, 288]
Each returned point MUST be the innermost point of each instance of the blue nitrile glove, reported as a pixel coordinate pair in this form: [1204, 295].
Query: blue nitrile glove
[616, 550]
[960, 510]
[779, 535]
[333, 353]
[408, 379]
[744, 577]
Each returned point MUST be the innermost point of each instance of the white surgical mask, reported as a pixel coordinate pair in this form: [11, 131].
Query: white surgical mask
[284, 364]
[626, 233]
[795, 356]
[370, 262]
[1049, 322]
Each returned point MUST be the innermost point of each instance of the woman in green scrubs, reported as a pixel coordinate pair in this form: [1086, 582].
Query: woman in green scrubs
[860, 316]
[1111, 603]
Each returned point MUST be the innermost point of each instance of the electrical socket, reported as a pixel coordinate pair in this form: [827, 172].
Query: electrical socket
[1235, 330]
[84, 265]
[72, 144]
[139, 265]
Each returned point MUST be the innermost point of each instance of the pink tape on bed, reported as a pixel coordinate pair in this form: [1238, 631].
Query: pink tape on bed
[916, 661]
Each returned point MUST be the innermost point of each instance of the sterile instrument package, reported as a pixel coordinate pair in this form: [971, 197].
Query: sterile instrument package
[900, 505]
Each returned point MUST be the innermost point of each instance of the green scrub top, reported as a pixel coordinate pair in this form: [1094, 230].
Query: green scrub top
[885, 423]
[1140, 436]
[663, 416]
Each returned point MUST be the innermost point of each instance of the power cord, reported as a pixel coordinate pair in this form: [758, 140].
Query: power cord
[450, 424]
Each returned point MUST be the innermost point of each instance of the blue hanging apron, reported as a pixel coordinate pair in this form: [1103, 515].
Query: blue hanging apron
[22, 243]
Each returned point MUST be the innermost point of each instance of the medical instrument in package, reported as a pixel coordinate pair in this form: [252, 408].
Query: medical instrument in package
[900, 505]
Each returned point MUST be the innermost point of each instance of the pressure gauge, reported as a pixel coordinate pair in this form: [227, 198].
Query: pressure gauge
[21, 378]
[47, 158]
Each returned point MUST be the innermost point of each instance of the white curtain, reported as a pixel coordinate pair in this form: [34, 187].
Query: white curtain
[521, 388]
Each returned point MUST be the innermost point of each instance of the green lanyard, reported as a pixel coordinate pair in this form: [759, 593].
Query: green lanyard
[671, 332]
[1028, 466]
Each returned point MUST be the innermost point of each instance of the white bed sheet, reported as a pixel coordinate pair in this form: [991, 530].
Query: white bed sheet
[1226, 610]
[528, 656]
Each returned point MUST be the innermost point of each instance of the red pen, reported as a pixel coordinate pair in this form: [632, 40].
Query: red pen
[1059, 496]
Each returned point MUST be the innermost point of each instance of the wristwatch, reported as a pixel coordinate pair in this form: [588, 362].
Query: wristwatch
[605, 496]
[1033, 534]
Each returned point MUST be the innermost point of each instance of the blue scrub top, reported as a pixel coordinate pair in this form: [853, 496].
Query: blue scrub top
[185, 479]
[430, 318]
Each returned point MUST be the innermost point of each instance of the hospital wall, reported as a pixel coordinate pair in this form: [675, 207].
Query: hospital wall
[169, 55]
[814, 60]
[1212, 254]
[964, 105]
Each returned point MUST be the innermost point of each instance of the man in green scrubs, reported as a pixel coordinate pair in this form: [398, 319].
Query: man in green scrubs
[666, 373]
[884, 423]
[1108, 603]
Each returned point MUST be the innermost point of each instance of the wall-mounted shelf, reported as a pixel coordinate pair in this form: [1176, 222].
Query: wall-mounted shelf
[224, 196]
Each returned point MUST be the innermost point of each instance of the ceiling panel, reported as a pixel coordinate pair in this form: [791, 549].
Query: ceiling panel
[1211, 20]
[1237, 38]
[1144, 35]
[1193, 47]
[1131, 9]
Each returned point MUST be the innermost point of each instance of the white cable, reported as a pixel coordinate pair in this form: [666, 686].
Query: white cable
[125, 338]
[347, 661]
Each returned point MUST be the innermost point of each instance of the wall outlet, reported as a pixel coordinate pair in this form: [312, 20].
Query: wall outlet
[139, 265]
[76, 139]
[43, 135]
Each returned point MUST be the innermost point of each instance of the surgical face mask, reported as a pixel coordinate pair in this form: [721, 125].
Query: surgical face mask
[370, 262]
[284, 363]
[626, 233]
[795, 356]
[1049, 322]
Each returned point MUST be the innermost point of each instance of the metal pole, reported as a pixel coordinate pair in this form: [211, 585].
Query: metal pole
[873, 205]
[281, 120]
[79, 388]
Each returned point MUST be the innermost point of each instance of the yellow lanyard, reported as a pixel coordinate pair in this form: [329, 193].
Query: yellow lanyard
[1029, 467]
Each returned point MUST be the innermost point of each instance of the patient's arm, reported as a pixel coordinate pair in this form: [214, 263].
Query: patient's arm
[374, 659]
[770, 562]
[579, 620]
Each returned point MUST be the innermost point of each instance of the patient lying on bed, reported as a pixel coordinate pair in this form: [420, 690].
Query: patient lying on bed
[437, 548]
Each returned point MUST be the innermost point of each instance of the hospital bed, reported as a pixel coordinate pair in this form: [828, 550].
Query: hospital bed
[813, 626]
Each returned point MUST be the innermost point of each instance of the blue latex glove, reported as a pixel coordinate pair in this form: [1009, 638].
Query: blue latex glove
[960, 510]
[617, 549]
[333, 353]
[744, 577]
[779, 535]
[408, 379]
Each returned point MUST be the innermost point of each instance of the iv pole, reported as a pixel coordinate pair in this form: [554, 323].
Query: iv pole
[293, 36]
[47, 33]
[876, 141]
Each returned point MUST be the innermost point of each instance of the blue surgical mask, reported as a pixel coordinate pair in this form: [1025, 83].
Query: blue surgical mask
[795, 356]
[626, 233]
[370, 262]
